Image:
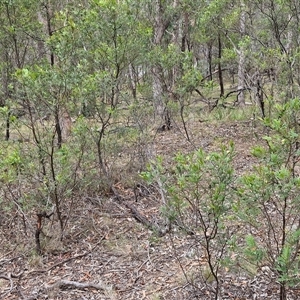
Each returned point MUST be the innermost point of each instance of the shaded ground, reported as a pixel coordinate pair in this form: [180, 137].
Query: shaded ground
[108, 254]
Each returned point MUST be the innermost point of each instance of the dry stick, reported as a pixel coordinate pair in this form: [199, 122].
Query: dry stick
[14, 198]
[142, 219]
[138, 216]
[68, 259]
[177, 258]
[9, 278]
[76, 285]
[20, 292]
[74, 257]
[11, 283]
[22, 295]
[11, 275]
[3, 261]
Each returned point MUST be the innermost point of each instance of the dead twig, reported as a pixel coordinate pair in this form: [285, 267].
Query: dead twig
[63, 284]
[11, 283]
[11, 275]
[68, 259]
[76, 256]
[139, 216]
[9, 278]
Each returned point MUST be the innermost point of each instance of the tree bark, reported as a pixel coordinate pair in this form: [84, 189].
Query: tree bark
[242, 58]
[160, 25]
[209, 59]
[220, 72]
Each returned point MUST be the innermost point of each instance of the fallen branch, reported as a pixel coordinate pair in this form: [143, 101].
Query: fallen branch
[11, 275]
[237, 91]
[9, 278]
[68, 259]
[64, 284]
[138, 216]
[142, 219]
[11, 283]
[76, 256]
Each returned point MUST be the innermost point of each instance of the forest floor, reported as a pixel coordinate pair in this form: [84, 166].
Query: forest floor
[107, 254]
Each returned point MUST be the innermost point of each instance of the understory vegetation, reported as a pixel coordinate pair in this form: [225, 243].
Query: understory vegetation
[134, 128]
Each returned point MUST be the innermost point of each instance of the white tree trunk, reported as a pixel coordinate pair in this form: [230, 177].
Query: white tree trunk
[157, 86]
[242, 58]
[157, 90]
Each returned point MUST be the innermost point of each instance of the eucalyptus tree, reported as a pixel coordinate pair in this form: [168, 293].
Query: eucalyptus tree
[241, 52]
[172, 53]
[161, 15]
[223, 45]
[102, 46]
[270, 51]
[209, 38]
[19, 37]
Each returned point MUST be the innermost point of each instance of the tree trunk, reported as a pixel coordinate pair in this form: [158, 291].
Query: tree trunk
[158, 94]
[209, 59]
[221, 83]
[160, 25]
[132, 80]
[242, 59]
[49, 30]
